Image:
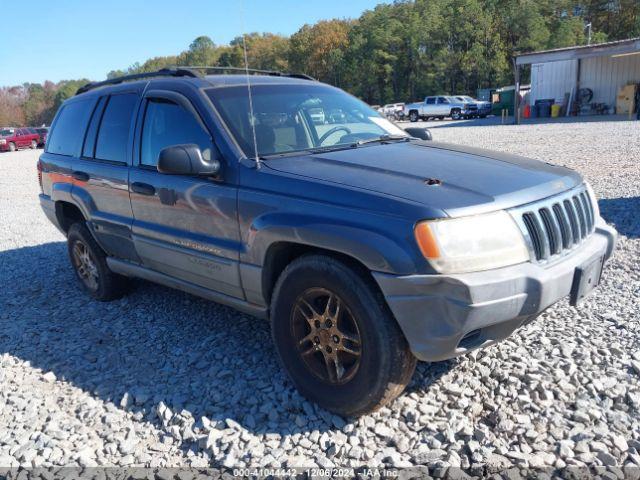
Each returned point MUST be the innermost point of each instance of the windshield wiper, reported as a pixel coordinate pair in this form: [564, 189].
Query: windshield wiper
[383, 139]
[308, 151]
[331, 148]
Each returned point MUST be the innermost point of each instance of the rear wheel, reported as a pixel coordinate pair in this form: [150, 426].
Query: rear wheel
[413, 116]
[12, 147]
[90, 265]
[336, 338]
[34, 144]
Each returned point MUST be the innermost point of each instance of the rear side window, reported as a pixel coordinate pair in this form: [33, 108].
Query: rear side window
[90, 142]
[113, 135]
[67, 134]
[431, 101]
[167, 124]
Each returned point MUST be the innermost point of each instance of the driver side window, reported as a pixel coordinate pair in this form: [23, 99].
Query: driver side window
[166, 124]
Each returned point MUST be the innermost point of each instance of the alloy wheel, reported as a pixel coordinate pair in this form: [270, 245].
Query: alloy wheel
[326, 335]
[85, 266]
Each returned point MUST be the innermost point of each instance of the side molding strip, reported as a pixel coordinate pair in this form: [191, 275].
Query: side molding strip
[129, 269]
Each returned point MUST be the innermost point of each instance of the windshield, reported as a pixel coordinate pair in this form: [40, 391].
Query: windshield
[5, 132]
[294, 118]
[465, 98]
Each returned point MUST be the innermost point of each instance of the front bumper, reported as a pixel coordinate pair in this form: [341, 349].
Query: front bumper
[443, 316]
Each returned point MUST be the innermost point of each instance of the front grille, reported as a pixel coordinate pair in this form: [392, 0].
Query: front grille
[558, 224]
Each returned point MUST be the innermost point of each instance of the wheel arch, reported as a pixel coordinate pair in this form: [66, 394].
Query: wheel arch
[67, 214]
[282, 253]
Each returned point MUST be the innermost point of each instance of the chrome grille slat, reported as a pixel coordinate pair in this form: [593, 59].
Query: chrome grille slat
[563, 223]
[552, 230]
[586, 205]
[533, 226]
[555, 226]
[581, 217]
[573, 219]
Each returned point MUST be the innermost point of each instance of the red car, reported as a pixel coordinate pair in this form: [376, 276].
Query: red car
[12, 139]
[42, 133]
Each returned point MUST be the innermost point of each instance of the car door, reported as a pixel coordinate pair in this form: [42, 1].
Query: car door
[20, 138]
[430, 106]
[444, 106]
[184, 226]
[101, 173]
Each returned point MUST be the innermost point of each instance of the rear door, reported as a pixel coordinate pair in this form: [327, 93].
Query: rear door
[101, 174]
[444, 106]
[185, 226]
[430, 106]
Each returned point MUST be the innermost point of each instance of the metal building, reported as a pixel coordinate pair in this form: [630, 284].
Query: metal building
[602, 68]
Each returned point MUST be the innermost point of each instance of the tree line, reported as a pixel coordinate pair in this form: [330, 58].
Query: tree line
[395, 52]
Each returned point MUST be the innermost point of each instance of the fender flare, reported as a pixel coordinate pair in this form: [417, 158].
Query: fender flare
[372, 247]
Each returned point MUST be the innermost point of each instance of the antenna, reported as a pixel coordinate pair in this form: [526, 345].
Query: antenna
[246, 68]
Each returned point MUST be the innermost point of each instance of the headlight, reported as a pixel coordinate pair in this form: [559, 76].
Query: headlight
[471, 244]
[593, 199]
[2, 141]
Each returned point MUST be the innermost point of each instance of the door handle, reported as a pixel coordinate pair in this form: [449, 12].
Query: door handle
[80, 176]
[143, 188]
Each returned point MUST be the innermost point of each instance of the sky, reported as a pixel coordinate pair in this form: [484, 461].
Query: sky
[70, 39]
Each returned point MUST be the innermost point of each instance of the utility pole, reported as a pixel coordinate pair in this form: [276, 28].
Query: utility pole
[588, 25]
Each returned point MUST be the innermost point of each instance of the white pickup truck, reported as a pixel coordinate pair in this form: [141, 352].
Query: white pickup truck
[440, 107]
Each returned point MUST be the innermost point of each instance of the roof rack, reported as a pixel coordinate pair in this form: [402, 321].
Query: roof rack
[254, 71]
[165, 72]
[188, 71]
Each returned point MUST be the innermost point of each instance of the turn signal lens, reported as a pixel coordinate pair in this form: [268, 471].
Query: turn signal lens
[426, 241]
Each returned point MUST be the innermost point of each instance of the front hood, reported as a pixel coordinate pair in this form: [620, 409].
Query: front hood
[472, 180]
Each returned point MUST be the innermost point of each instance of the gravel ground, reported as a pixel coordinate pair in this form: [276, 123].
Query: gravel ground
[161, 378]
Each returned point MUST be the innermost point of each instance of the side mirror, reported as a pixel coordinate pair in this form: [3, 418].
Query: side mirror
[186, 159]
[421, 133]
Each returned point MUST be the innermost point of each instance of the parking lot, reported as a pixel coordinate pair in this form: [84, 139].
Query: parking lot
[162, 378]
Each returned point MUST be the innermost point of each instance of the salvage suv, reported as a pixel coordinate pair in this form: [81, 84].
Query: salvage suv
[366, 248]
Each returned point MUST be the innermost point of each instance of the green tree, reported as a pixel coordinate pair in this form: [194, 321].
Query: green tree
[318, 50]
[202, 51]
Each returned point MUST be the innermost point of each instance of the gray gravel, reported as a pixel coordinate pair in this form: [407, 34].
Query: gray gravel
[161, 378]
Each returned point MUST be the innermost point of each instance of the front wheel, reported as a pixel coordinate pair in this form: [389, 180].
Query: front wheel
[336, 338]
[456, 114]
[12, 147]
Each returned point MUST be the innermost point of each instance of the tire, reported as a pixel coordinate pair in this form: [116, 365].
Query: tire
[12, 147]
[483, 116]
[374, 357]
[33, 145]
[455, 114]
[90, 266]
[413, 116]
